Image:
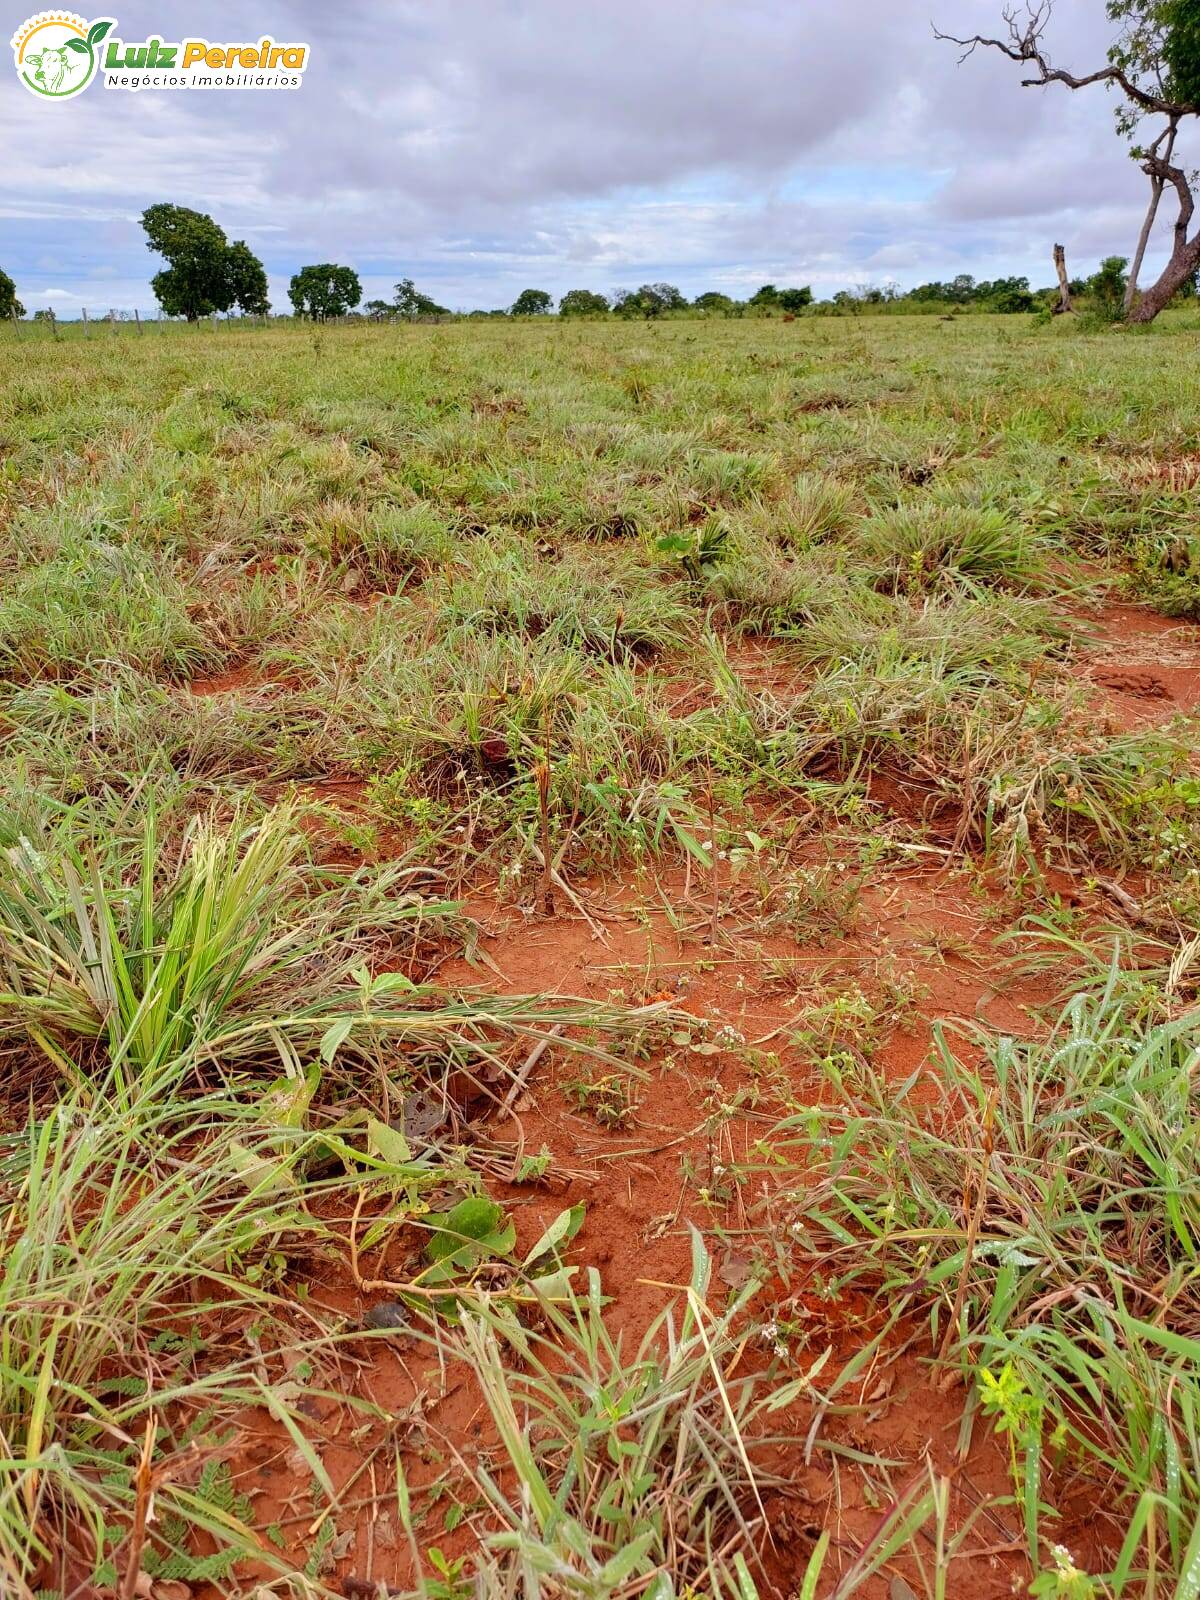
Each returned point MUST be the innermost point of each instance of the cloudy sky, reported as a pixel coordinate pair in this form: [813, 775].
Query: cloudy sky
[483, 146]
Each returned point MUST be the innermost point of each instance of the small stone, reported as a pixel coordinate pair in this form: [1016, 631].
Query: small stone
[388, 1314]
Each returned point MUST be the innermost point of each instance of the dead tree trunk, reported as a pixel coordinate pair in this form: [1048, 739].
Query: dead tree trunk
[1064, 283]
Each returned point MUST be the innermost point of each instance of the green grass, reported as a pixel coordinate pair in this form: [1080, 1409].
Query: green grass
[1044, 1215]
[628, 597]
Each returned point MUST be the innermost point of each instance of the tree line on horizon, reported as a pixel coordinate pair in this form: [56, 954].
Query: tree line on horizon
[207, 275]
[1153, 63]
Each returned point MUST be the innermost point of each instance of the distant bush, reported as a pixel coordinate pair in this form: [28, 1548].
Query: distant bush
[1106, 289]
[651, 300]
[713, 302]
[583, 303]
[1014, 300]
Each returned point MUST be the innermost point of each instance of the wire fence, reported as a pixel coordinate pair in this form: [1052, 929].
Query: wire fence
[116, 320]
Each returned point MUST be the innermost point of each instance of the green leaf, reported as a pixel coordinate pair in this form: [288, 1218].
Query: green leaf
[78, 46]
[97, 31]
[1177, 1343]
[334, 1037]
[388, 1143]
[478, 1224]
[259, 1173]
[747, 1589]
[554, 1286]
[692, 845]
[792, 1391]
[286, 1100]
[625, 1562]
[1189, 1575]
[561, 1231]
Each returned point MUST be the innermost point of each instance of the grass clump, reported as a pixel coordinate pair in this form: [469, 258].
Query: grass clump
[1044, 1216]
[135, 1247]
[627, 1473]
[916, 548]
[95, 606]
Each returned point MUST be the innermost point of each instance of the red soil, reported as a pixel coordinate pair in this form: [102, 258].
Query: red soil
[929, 928]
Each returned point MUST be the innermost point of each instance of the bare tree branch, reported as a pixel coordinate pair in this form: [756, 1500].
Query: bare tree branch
[1024, 44]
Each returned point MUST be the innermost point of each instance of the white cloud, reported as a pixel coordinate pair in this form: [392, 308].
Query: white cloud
[490, 144]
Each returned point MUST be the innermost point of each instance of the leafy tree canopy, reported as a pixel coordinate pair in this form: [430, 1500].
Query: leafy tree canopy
[247, 279]
[1181, 50]
[9, 304]
[582, 303]
[532, 303]
[711, 300]
[205, 273]
[324, 290]
[411, 303]
[651, 300]
[1107, 287]
[1158, 51]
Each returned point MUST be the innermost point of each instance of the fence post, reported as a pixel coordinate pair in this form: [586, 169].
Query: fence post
[86, 325]
[12, 311]
[137, 317]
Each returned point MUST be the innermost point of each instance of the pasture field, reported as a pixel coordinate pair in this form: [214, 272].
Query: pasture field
[599, 943]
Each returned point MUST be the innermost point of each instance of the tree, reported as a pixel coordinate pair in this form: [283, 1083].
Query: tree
[324, 290]
[582, 303]
[197, 280]
[247, 280]
[532, 303]
[1155, 64]
[713, 301]
[665, 295]
[1107, 287]
[961, 289]
[10, 306]
[651, 300]
[794, 299]
[766, 297]
[411, 303]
